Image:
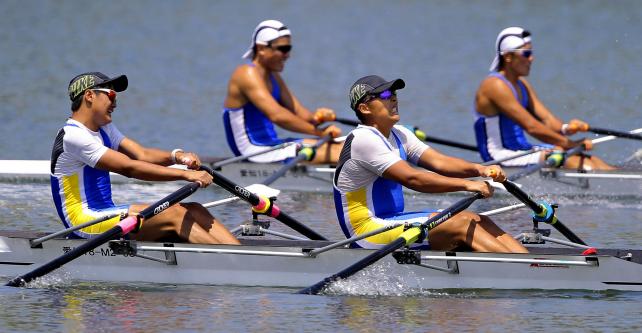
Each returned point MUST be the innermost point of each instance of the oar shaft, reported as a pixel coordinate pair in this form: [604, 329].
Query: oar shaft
[122, 228]
[406, 237]
[450, 143]
[620, 134]
[245, 157]
[89, 245]
[254, 200]
[64, 232]
[300, 157]
[526, 199]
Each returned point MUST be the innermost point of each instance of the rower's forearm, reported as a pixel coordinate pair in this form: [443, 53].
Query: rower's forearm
[295, 124]
[455, 167]
[436, 183]
[152, 172]
[155, 156]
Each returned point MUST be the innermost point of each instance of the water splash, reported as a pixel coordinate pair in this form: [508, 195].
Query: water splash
[381, 279]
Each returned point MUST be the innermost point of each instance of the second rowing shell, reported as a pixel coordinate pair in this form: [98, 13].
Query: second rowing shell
[318, 178]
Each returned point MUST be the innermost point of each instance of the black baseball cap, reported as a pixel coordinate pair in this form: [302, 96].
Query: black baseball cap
[85, 81]
[371, 84]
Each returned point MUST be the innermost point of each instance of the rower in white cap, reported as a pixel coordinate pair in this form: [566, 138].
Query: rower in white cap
[506, 105]
[257, 98]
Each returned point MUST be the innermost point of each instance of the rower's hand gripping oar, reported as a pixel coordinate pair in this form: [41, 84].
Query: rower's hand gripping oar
[419, 134]
[415, 233]
[127, 225]
[262, 205]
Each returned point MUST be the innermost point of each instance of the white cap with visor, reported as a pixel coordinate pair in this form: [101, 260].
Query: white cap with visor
[264, 33]
[509, 39]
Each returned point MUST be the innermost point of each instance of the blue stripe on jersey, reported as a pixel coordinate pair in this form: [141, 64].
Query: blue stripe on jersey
[387, 195]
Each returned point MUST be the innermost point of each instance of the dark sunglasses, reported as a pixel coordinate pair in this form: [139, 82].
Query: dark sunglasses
[111, 94]
[285, 49]
[384, 95]
[526, 53]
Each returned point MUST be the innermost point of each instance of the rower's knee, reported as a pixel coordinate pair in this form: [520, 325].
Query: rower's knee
[464, 223]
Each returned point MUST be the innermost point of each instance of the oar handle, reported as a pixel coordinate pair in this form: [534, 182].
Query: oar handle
[257, 201]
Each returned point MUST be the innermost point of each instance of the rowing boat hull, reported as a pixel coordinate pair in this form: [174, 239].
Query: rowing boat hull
[318, 178]
[286, 264]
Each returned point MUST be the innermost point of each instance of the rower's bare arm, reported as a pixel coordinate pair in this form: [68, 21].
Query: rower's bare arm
[120, 163]
[434, 160]
[292, 103]
[136, 151]
[257, 92]
[429, 182]
[504, 101]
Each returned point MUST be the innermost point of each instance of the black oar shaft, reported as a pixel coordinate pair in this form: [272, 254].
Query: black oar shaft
[429, 224]
[526, 199]
[254, 200]
[450, 143]
[67, 257]
[620, 134]
[122, 228]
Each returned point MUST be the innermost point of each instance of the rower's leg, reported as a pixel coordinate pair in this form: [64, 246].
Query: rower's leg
[467, 228]
[587, 163]
[327, 153]
[177, 220]
[210, 224]
[507, 240]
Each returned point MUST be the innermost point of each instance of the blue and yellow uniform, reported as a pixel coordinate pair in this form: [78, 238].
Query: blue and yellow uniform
[366, 201]
[81, 192]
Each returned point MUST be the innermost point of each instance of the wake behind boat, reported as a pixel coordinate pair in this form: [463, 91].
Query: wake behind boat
[299, 263]
[625, 182]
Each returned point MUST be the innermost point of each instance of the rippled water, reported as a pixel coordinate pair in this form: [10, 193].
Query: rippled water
[178, 56]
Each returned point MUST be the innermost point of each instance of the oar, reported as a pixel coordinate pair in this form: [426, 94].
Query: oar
[122, 228]
[245, 157]
[620, 134]
[306, 153]
[262, 205]
[512, 157]
[258, 189]
[552, 161]
[406, 238]
[544, 211]
[421, 135]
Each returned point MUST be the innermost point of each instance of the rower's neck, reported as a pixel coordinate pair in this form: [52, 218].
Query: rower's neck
[385, 130]
[84, 117]
[511, 76]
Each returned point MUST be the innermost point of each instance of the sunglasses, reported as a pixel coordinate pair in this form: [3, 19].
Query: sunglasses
[384, 95]
[285, 49]
[111, 94]
[526, 53]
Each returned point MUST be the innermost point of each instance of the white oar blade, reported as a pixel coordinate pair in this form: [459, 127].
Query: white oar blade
[263, 190]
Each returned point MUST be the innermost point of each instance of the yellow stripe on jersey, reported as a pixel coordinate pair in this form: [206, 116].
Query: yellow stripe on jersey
[362, 222]
[75, 211]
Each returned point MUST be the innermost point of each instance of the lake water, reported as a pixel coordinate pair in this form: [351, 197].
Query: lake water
[178, 57]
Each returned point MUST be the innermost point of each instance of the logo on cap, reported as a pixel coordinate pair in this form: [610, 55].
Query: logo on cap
[357, 92]
[81, 84]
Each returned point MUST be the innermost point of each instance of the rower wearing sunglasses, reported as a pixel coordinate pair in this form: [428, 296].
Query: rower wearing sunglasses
[379, 157]
[506, 105]
[89, 146]
[258, 98]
